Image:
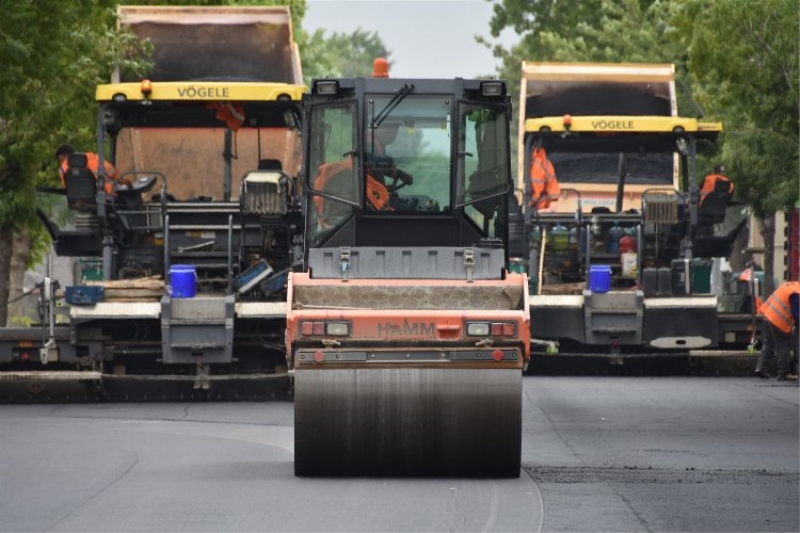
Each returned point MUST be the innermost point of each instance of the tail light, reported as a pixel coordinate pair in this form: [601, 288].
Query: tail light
[318, 328]
[491, 329]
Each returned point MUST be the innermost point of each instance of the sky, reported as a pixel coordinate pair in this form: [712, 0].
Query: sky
[426, 38]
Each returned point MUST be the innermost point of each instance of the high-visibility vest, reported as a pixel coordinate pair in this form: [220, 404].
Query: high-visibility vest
[709, 183]
[377, 194]
[544, 183]
[231, 113]
[777, 308]
[93, 163]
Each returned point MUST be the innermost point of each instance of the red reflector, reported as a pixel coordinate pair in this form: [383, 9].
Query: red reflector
[508, 329]
[497, 355]
[319, 356]
[497, 329]
[319, 328]
[307, 328]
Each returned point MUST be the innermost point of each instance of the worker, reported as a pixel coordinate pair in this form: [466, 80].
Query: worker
[544, 182]
[379, 165]
[710, 183]
[92, 161]
[780, 316]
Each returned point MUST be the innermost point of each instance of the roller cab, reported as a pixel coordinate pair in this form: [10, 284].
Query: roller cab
[406, 332]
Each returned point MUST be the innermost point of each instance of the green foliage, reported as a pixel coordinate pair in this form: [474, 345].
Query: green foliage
[340, 54]
[52, 59]
[736, 61]
[613, 31]
[745, 55]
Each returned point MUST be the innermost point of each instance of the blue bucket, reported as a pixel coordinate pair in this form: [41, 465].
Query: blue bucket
[183, 281]
[599, 278]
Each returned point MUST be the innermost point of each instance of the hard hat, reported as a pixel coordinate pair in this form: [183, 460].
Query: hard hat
[380, 68]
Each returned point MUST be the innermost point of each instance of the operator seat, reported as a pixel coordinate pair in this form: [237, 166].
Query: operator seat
[81, 184]
[270, 164]
[265, 191]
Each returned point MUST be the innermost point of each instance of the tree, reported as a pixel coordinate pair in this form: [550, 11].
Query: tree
[745, 54]
[613, 31]
[340, 54]
[53, 55]
[736, 61]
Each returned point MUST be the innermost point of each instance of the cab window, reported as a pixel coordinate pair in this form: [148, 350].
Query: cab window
[407, 153]
[333, 161]
[483, 160]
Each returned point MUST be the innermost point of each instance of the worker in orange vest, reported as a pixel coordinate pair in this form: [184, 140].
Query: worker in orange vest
[92, 162]
[780, 312]
[377, 193]
[710, 183]
[231, 113]
[544, 183]
[378, 166]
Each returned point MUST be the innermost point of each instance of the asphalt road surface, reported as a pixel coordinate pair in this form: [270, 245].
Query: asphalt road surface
[599, 454]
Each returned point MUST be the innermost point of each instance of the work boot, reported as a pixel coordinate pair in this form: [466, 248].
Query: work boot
[783, 376]
[761, 373]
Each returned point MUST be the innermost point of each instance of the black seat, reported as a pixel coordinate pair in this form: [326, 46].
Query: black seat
[81, 184]
[270, 164]
[712, 210]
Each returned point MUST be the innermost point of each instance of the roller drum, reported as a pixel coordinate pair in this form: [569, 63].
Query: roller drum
[462, 422]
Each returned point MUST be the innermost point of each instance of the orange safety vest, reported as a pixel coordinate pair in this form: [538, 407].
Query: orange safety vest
[777, 308]
[231, 113]
[377, 194]
[709, 183]
[92, 163]
[544, 183]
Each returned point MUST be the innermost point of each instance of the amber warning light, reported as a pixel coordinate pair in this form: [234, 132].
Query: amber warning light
[380, 68]
[147, 88]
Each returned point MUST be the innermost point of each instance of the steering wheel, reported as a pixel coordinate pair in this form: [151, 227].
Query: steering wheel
[394, 186]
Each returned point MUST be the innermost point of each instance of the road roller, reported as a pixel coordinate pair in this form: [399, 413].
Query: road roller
[407, 328]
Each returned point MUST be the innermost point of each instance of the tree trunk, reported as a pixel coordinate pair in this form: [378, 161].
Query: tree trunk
[768, 232]
[19, 260]
[6, 249]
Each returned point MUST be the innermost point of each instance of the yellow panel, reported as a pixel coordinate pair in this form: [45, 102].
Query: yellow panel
[202, 91]
[622, 124]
